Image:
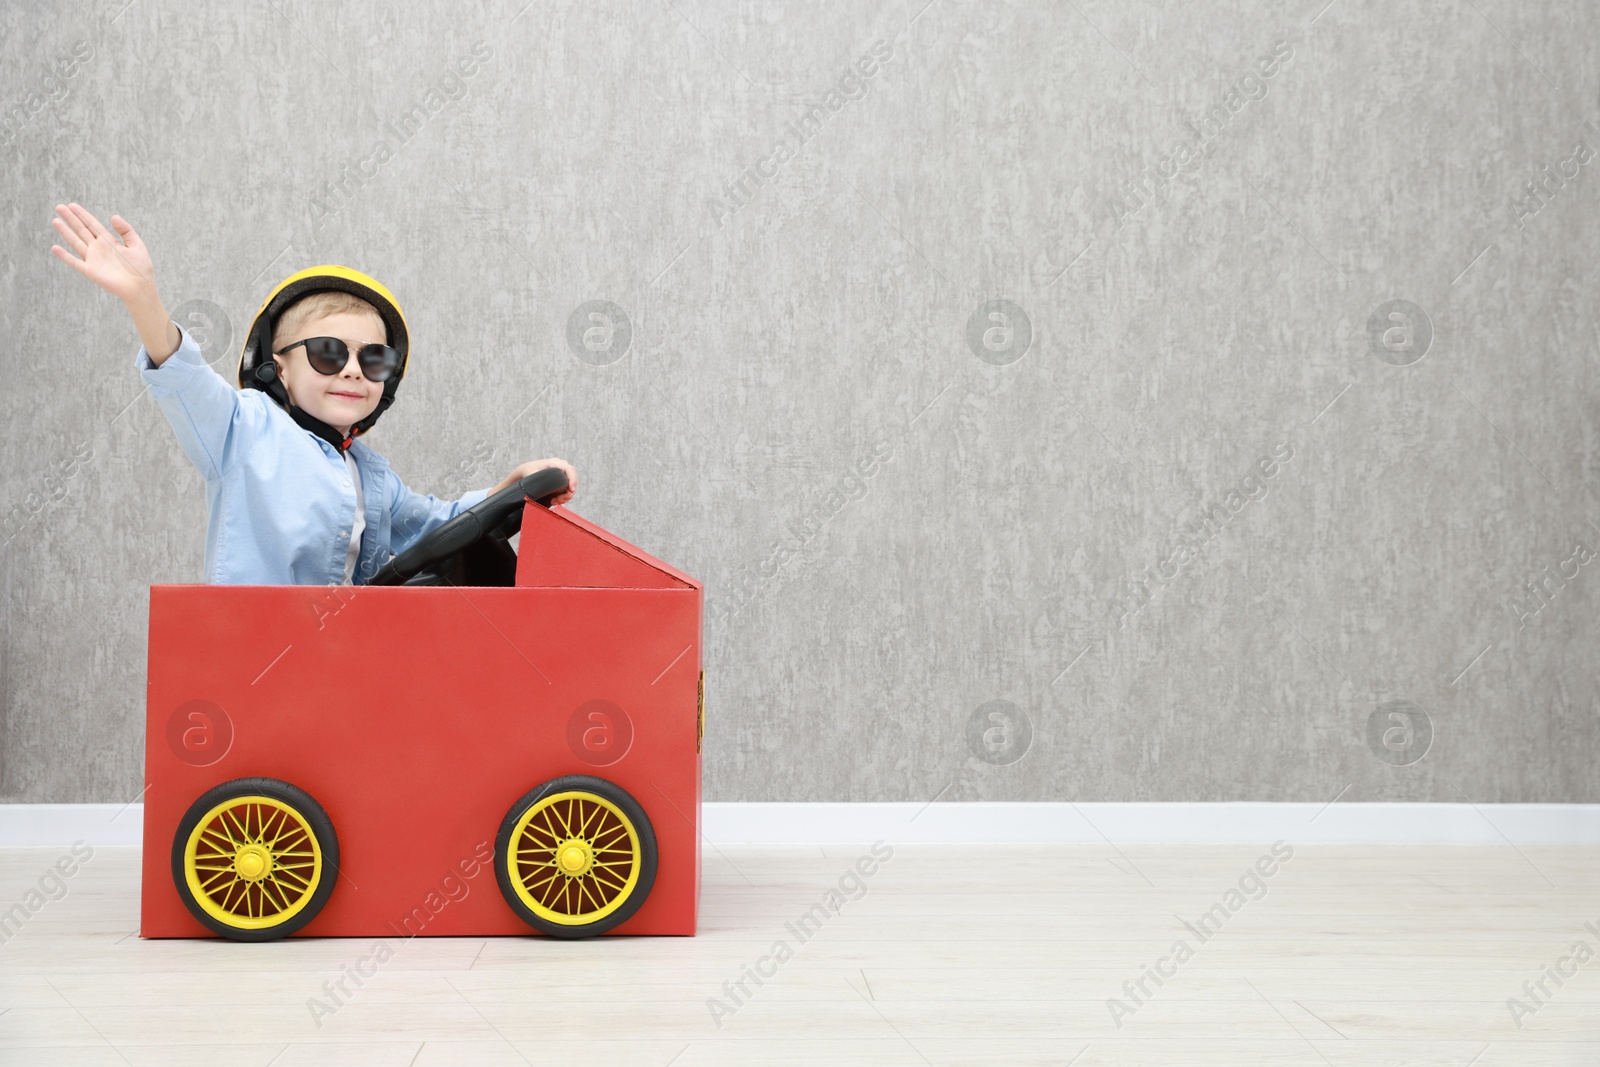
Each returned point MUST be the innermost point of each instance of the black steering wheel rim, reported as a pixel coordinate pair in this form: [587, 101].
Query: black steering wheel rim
[498, 516]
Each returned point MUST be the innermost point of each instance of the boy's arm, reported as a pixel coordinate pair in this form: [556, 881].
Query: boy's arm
[206, 413]
[156, 328]
[412, 514]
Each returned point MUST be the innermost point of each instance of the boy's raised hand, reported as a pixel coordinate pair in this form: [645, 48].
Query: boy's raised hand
[121, 268]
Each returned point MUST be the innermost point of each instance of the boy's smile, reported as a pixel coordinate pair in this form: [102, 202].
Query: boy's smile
[342, 399]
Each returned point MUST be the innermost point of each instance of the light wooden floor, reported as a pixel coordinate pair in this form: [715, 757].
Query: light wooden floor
[1372, 956]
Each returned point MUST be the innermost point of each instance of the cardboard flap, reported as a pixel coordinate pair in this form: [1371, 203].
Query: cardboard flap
[560, 549]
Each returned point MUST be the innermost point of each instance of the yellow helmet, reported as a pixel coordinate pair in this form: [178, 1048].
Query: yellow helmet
[256, 368]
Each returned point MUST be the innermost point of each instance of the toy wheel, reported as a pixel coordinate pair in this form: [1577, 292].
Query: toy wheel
[576, 856]
[255, 859]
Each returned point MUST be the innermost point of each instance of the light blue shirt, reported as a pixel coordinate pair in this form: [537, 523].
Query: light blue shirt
[280, 500]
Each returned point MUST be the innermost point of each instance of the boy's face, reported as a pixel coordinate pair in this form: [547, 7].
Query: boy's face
[340, 400]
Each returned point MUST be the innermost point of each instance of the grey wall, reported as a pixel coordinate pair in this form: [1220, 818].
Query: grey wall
[1163, 344]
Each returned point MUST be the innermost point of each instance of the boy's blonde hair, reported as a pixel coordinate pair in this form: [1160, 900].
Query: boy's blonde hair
[320, 305]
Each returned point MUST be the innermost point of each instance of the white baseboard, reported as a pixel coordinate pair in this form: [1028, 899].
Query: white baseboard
[1247, 822]
[1165, 822]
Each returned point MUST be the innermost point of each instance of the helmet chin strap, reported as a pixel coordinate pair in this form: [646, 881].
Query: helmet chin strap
[328, 433]
[268, 381]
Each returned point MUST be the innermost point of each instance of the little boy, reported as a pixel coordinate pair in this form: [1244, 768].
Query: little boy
[293, 498]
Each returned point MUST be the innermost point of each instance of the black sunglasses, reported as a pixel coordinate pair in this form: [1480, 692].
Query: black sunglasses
[328, 355]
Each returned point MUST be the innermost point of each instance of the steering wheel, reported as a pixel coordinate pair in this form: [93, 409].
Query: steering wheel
[474, 547]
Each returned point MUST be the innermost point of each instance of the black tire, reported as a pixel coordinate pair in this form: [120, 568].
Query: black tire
[313, 823]
[632, 898]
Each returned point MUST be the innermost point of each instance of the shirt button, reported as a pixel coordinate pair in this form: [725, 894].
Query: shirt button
[344, 533]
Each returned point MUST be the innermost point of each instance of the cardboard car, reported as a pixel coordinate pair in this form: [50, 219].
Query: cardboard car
[482, 741]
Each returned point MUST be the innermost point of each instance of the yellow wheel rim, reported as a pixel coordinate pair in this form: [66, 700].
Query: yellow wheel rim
[573, 858]
[252, 862]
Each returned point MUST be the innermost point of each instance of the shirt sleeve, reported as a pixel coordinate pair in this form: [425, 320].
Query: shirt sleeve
[207, 414]
[411, 515]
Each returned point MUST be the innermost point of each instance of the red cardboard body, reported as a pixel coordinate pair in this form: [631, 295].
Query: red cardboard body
[417, 716]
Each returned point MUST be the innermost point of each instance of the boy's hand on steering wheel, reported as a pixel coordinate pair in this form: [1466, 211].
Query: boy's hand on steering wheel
[540, 464]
